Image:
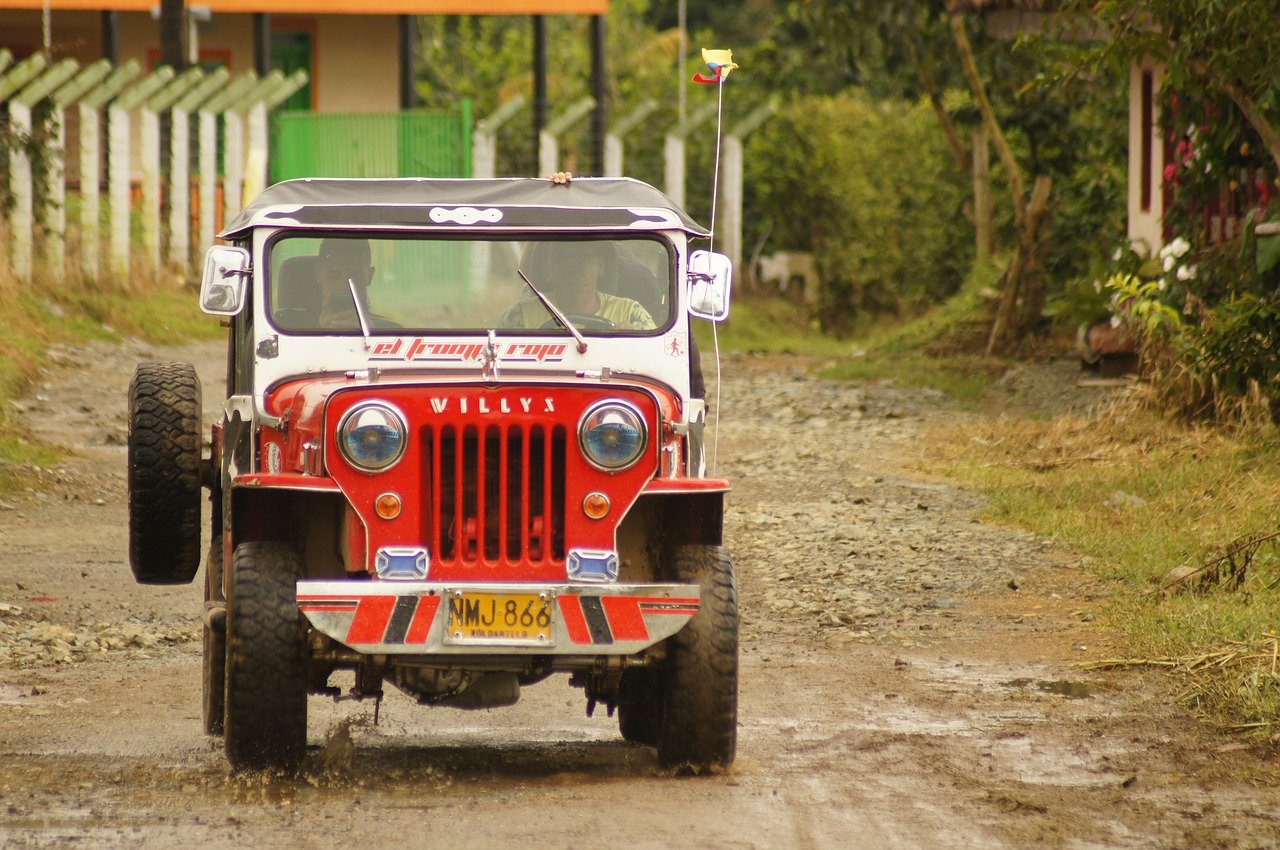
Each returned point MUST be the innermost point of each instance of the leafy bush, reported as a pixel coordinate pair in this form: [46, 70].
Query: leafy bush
[1207, 312]
[869, 188]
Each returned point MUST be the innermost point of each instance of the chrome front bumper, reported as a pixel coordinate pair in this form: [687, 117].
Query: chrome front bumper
[422, 618]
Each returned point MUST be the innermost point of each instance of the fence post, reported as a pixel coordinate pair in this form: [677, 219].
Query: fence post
[21, 179]
[549, 137]
[673, 152]
[19, 165]
[233, 144]
[54, 216]
[180, 165]
[259, 139]
[731, 180]
[613, 140]
[150, 138]
[207, 119]
[484, 138]
[90, 170]
[118, 163]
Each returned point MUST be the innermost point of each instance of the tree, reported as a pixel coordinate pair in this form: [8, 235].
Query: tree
[915, 34]
[1209, 47]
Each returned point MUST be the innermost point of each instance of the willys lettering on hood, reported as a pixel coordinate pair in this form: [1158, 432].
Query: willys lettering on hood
[417, 349]
[482, 404]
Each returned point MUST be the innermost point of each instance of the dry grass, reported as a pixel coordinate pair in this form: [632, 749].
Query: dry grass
[1179, 519]
[69, 309]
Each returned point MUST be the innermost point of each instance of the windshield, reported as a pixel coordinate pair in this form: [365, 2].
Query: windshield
[408, 283]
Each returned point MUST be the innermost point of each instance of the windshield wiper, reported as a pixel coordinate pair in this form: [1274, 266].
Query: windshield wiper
[555, 311]
[360, 314]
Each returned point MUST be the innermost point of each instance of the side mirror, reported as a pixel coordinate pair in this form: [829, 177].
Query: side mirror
[1267, 236]
[710, 280]
[226, 271]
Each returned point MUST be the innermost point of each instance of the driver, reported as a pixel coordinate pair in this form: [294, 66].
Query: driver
[339, 261]
[569, 273]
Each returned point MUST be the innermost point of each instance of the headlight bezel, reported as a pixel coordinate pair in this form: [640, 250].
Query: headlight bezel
[394, 414]
[625, 408]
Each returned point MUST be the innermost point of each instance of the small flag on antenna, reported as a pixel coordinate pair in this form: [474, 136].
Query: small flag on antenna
[720, 62]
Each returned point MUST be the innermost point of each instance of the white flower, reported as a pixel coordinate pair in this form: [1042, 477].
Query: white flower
[1097, 286]
[1176, 248]
[1208, 166]
[1161, 285]
[1115, 321]
[1169, 263]
[1118, 254]
[1186, 272]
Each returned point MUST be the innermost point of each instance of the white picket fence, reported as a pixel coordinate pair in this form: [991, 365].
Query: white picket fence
[132, 104]
[729, 202]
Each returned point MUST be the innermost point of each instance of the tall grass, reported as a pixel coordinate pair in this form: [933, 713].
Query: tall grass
[1139, 496]
[69, 309]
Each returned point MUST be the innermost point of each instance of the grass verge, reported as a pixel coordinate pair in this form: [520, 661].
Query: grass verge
[934, 349]
[48, 312]
[1148, 502]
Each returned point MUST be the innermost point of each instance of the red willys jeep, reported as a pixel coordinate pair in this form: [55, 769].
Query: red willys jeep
[461, 451]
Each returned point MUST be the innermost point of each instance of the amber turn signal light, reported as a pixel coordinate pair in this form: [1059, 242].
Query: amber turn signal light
[387, 505]
[595, 505]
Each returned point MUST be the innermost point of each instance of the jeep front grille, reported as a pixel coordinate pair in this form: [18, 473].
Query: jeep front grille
[496, 500]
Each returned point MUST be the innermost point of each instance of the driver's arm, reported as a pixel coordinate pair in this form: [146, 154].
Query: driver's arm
[638, 319]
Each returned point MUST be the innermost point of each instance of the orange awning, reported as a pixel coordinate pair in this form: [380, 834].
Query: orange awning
[339, 7]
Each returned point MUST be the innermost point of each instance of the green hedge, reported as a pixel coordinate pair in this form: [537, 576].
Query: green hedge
[870, 189]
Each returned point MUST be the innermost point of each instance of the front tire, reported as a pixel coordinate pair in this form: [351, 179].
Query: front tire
[640, 698]
[266, 696]
[699, 728]
[214, 703]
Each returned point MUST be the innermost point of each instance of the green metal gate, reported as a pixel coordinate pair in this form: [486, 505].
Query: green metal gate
[398, 144]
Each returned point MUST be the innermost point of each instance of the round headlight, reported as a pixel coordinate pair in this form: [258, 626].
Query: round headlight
[372, 436]
[612, 435]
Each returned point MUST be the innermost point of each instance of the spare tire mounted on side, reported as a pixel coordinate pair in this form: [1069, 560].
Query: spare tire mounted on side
[164, 473]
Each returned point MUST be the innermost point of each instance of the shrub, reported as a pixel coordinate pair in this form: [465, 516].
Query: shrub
[1215, 353]
[869, 188]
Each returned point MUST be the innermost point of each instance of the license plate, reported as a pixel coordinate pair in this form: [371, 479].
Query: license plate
[501, 619]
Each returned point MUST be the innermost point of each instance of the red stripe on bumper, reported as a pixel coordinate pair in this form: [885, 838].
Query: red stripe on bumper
[370, 622]
[420, 627]
[574, 622]
[625, 620]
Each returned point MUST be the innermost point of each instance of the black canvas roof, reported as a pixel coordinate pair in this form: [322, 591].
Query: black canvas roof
[521, 203]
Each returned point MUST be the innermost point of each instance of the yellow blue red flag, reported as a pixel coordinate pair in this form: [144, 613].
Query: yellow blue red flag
[720, 62]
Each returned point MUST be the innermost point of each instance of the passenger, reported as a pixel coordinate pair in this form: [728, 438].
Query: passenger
[569, 274]
[530, 312]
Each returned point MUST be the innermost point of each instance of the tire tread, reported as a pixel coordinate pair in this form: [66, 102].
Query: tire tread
[266, 698]
[164, 473]
[699, 729]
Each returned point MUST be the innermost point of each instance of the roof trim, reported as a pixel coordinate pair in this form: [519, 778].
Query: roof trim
[464, 204]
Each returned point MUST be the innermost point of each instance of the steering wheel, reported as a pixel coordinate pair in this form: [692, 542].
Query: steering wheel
[583, 321]
[292, 317]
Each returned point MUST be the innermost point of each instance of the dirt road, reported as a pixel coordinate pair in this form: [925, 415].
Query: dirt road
[897, 690]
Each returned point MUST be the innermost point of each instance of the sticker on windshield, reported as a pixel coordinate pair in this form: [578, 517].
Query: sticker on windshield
[417, 350]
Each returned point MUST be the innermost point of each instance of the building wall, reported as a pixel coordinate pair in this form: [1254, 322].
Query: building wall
[355, 58]
[357, 61]
[1145, 220]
